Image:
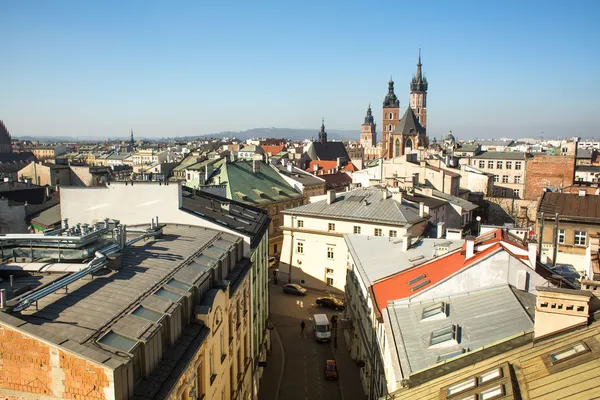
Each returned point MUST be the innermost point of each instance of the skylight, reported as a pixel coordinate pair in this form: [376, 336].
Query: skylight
[118, 342]
[568, 353]
[147, 314]
[435, 310]
[452, 354]
[420, 285]
[443, 335]
[415, 280]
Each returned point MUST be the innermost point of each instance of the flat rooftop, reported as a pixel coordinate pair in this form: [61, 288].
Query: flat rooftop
[93, 306]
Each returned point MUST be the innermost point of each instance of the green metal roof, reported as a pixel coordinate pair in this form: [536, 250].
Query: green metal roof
[243, 185]
[186, 162]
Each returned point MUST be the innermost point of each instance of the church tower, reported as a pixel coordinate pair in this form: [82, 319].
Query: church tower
[391, 116]
[368, 134]
[418, 95]
[131, 141]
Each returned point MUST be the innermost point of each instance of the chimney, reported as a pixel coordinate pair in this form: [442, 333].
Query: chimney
[421, 209]
[560, 309]
[440, 230]
[339, 162]
[256, 166]
[2, 299]
[384, 194]
[397, 196]
[405, 243]
[470, 250]
[217, 180]
[532, 253]
[330, 196]
[289, 167]
[316, 167]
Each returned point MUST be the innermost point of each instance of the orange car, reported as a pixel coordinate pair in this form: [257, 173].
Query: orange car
[331, 372]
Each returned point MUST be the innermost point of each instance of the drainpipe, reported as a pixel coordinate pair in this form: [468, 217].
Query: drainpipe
[555, 240]
[541, 237]
[291, 248]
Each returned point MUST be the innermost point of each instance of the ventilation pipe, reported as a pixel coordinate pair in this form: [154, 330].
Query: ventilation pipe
[65, 223]
[2, 299]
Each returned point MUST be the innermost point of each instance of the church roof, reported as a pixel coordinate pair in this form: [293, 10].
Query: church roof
[410, 122]
[4, 135]
[329, 151]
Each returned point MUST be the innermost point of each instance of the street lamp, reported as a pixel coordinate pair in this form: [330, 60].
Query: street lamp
[478, 218]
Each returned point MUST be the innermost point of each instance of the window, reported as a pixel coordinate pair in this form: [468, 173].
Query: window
[390, 116]
[503, 192]
[462, 386]
[496, 178]
[443, 335]
[300, 223]
[437, 309]
[509, 165]
[490, 165]
[393, 233]
[329, 270]
[357, 230]
[329, 281]
[493, 393]
[481, 164]
[222, 346]
[211, 365]
[300, 248]
[505, 179]
[331, 227]
[473, 385]
[518, 164]
[561, 236]
[499, 164]
[580, 237]
[517, 193]
[378, 232]
[330, 253]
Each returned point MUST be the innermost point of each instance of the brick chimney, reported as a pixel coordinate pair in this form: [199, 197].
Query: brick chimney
[558, 310]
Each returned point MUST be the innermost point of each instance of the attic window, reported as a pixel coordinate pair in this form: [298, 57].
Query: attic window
[420, 285]
[443, 335]
[415, 280]
[241, 195]
[566, 353]
[437, 309]
[447, 356]
[259, 193]
[277, 190]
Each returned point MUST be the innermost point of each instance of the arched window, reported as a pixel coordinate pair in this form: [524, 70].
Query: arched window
[409, 145]
[390, 127]
[391, 116]
[397, 149]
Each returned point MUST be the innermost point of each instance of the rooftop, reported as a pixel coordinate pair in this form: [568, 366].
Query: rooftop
[379, 257]
[299, 176]
[430, 202]
[234, 215]
[77, 319]
[362, 204]
[479, 319]
[503, 155]
[458, 201]
[571, 206]
[494, 142]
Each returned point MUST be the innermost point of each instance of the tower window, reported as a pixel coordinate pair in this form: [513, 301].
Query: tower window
[391, 116]
[390, 126]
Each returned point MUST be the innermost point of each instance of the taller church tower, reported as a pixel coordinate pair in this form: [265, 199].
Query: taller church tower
[418, 95]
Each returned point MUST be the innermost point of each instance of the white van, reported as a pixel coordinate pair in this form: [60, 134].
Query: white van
[321, 328]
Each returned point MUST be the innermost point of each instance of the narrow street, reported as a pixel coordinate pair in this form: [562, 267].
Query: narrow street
[295, 369]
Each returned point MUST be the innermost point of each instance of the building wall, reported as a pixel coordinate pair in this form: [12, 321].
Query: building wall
[275, 226]
[42, 175]
[30, 368]
[512, 173]
[548, 171]
[12, 218]
[313, 265]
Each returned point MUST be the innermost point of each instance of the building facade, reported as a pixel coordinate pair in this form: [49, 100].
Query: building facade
[509, 170]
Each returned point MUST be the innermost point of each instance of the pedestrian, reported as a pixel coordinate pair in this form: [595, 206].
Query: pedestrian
[302, 325]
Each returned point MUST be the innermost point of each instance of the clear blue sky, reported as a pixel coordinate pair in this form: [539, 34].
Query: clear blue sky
[99, 68]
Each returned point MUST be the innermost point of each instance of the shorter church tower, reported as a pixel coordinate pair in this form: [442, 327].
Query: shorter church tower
[368, 134]
[418, 94]
[323, 134]
[391, 116]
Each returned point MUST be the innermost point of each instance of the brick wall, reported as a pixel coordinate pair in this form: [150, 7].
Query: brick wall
[31, 366]
[544, 171]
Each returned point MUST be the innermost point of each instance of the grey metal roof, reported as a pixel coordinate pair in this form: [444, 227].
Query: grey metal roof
[483, 317]
[468, 147]
[584, 153]
[76, 319]
[494, 142]
[299, 176]
[587, 168]
[458, 201]
[362, 204]
[379, 257]
[503, 155]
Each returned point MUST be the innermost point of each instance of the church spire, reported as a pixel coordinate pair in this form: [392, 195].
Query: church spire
[418, 82]
[369, 116]
[323, 134]
[131, 141]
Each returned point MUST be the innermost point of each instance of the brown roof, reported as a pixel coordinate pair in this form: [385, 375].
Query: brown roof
[571, 206]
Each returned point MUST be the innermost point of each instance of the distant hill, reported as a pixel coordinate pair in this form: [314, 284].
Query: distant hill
[287, 133]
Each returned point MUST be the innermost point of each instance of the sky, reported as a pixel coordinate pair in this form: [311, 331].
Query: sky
[164, 69]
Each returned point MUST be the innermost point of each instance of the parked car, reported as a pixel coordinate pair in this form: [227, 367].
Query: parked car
[331, 372]
[293, 288]
[331, 302]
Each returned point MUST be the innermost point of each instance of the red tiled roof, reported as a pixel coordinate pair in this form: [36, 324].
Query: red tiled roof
[272, 150]
[396, 286]
[329, 165]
